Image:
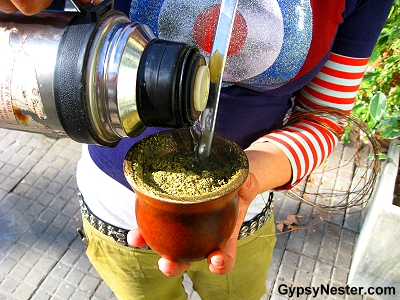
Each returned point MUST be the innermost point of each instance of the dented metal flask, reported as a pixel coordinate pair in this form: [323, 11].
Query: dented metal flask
[95, 76]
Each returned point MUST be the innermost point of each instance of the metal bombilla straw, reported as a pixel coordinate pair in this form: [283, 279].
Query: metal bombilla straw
[217, 61]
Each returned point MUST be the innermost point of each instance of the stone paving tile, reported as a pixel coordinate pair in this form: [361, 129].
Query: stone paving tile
[41, 256]
[320, 251]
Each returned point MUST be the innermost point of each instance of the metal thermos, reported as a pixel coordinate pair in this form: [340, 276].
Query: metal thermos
[95, 76]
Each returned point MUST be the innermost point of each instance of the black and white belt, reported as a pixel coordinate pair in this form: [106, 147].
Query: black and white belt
[119, 235]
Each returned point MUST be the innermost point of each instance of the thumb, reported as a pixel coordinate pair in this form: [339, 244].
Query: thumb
[250, 188]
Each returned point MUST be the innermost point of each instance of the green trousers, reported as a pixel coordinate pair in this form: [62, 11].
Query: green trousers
[133, 273]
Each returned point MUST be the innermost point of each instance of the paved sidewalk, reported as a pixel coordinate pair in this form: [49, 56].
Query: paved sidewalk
[41, 256]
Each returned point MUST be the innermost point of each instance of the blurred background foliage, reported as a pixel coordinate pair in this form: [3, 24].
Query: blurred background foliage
[378, 100]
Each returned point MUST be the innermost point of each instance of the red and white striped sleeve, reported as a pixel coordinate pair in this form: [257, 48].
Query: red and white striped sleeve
[308, 142]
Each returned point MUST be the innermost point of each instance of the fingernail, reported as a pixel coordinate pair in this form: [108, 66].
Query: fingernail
[217, 262]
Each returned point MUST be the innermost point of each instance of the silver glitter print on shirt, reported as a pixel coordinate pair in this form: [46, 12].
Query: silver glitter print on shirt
[269, 44]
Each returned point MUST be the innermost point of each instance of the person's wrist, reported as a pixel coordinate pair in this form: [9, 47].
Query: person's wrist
[27, 7]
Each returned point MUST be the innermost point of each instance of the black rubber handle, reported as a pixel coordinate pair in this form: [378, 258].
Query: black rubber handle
[70, 71]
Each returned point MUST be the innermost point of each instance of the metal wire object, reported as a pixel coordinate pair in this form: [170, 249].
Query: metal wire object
[364, 176]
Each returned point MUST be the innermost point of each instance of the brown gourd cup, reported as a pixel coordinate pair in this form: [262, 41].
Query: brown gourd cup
[184, 228]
